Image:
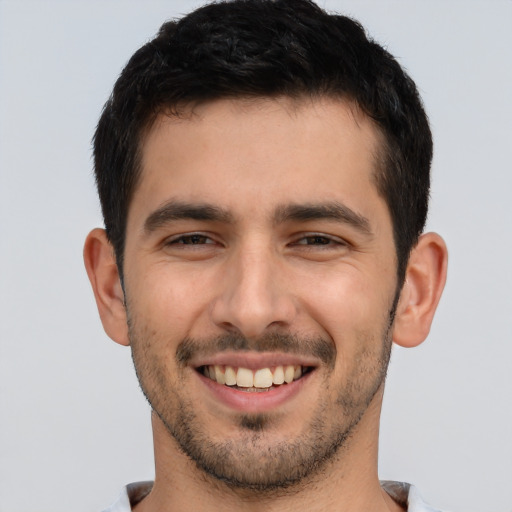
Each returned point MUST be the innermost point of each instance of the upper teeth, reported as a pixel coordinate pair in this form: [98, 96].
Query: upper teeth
[245, 378]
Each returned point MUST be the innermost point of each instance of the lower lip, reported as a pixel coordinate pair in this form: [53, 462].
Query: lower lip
[257, 401]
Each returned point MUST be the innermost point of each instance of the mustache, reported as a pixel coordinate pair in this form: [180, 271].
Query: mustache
[319, 347]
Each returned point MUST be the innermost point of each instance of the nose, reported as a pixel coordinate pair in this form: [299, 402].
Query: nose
[254, 296]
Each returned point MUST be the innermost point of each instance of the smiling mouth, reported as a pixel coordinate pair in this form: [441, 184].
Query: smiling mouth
[262, 379]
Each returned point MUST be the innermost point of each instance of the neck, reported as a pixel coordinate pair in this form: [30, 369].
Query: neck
[349, 481]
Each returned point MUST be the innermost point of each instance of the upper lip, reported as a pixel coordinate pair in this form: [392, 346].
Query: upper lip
[254, 360]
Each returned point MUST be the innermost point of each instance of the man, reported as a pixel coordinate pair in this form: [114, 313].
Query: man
[263, 170]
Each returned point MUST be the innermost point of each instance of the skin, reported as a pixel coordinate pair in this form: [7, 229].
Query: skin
[256, 282]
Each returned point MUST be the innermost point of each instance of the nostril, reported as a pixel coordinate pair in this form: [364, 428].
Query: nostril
[253, 298]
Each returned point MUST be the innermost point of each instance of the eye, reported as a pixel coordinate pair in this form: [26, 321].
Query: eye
[190, 239]
[192, 246]
[319, 239]
[314, 240]
[319, 247]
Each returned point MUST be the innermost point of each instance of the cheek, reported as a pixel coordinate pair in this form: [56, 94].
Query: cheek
[169, 299]
[352, 306]
[346, 296]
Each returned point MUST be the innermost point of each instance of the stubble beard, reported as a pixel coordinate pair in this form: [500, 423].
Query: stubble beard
[254, 460]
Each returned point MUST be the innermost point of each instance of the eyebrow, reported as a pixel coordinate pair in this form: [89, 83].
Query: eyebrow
[321, 211]
[177, 210]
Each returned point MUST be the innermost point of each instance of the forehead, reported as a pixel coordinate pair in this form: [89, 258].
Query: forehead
[278, 150]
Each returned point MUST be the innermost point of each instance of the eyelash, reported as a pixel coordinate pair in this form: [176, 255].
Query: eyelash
[181, 239]
[319, 240]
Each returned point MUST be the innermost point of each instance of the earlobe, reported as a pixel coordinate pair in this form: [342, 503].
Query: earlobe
[424, 282]
[103, 273]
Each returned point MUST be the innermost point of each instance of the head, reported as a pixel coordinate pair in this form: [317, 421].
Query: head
[263, 170]
[266, 49]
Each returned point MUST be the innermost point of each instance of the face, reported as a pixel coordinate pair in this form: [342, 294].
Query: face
[260, 283]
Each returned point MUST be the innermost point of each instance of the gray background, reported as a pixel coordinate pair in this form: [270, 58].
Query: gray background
[74, 427]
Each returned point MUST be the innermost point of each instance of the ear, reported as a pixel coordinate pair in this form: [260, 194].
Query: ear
[424, 282]
[103, 273]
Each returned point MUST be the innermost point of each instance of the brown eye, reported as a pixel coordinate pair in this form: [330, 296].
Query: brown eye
[193, 239]
[316, 240]
[195, 246]
[319, 241]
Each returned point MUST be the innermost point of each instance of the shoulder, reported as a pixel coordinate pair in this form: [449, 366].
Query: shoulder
[130, 496]
[407, 496]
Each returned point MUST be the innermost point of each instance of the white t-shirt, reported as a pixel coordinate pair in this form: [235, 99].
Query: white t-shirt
[403, 493]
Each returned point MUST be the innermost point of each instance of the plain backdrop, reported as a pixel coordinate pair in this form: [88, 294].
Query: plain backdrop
[74, 427]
